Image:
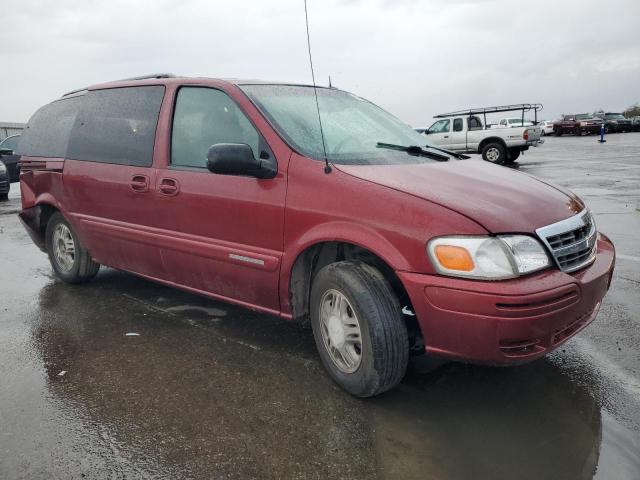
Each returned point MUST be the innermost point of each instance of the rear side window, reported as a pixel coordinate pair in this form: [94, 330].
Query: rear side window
[117, 125]
[457, 125]
[204, 117]
[47, 133]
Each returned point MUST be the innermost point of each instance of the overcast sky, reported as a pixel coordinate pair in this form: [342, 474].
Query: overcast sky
[414, 58]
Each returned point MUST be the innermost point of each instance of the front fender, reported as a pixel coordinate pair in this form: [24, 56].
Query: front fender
[336, 231]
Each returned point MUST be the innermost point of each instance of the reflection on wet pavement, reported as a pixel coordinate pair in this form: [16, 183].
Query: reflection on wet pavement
[207, 390]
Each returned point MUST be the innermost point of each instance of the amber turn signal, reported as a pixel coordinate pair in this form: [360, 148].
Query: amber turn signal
[454, 258]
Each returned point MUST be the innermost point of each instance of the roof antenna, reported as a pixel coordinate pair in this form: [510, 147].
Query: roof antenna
[330, 86]
[327, 167]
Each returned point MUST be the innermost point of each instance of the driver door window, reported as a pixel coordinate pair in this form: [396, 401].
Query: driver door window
[441, 126]
[204, 117]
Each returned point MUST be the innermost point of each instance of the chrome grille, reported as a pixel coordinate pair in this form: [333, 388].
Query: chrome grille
[572, 242]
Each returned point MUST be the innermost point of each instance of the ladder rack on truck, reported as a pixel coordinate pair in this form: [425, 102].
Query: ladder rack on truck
[523, 107]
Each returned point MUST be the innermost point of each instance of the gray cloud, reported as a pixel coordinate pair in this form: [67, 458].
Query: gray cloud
[414, 58]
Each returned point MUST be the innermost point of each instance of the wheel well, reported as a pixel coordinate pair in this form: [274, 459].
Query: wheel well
[38, 219]
[491, 140]
[311, 261]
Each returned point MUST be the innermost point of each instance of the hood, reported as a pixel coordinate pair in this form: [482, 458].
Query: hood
[498, 198]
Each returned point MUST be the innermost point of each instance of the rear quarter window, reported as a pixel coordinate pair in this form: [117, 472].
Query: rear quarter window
[48, 130]
[117, 125]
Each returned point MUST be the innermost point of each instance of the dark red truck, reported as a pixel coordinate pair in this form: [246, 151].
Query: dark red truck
[387, 245]
[577, 124]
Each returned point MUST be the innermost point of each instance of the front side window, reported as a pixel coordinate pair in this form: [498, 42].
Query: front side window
[441, 126]
[117, 125]
[457, 125]
[203, 117]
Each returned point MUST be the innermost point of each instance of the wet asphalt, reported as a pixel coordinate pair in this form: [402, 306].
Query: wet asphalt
[208, 390]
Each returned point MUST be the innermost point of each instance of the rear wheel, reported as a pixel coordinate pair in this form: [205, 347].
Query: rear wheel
[494, 153]
[578, 132]
[358, 328]
[558, 132]
[4, 196]
[542, 134]
[69, 258]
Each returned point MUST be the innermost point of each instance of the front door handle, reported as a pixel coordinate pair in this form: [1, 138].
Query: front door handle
[446, 136]
[140, 183]
[169, 187]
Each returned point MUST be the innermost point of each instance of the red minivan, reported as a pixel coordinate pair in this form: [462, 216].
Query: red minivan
[334, 212]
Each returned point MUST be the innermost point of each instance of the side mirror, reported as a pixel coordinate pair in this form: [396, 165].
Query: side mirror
[238, 159]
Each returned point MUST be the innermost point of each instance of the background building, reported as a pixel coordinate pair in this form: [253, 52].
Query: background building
[10, 128]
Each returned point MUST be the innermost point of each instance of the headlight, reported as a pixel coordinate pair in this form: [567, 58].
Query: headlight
[492, 258]
[3, 168]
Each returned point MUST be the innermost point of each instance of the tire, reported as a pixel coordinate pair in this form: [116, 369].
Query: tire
[494, 153]
[512, 156]
[4, 196]
[60, 238]
[542, 134]
[374, 308]
[578, 132]
[558, 132]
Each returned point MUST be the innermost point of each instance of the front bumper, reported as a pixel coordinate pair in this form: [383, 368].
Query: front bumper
[590, 128]
[512, 321]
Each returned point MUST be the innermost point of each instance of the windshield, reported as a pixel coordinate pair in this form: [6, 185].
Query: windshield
[352, 126]
[614, 116]
[10, 143]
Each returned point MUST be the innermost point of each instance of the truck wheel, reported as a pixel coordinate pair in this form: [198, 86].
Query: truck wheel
[4, 196]
[513, 155]
[494, 153]
[358, 328]
[558, 133]
[578, 132]
[69, 259]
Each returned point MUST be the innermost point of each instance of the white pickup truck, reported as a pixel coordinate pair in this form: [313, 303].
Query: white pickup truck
[465, 132]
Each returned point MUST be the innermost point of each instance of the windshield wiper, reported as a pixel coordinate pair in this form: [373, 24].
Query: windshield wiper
[414, 150]
[457, 155]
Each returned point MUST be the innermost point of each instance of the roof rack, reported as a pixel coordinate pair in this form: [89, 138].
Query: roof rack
[130, 79]
[525, 107]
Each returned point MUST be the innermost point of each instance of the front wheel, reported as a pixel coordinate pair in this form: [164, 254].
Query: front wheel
[494, 153]
[358, 328]
[69, 258]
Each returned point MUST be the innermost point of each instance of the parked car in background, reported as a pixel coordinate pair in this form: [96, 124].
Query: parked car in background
[635, 124]
[546, 127]
[615, 122]
[387, 246]
[576, 124]
[465, 132]
[9, 158]
[5, 184]
[587, 123]
[514, 122]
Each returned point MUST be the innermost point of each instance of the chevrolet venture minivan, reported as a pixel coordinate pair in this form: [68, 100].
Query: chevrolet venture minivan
[389, 247]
